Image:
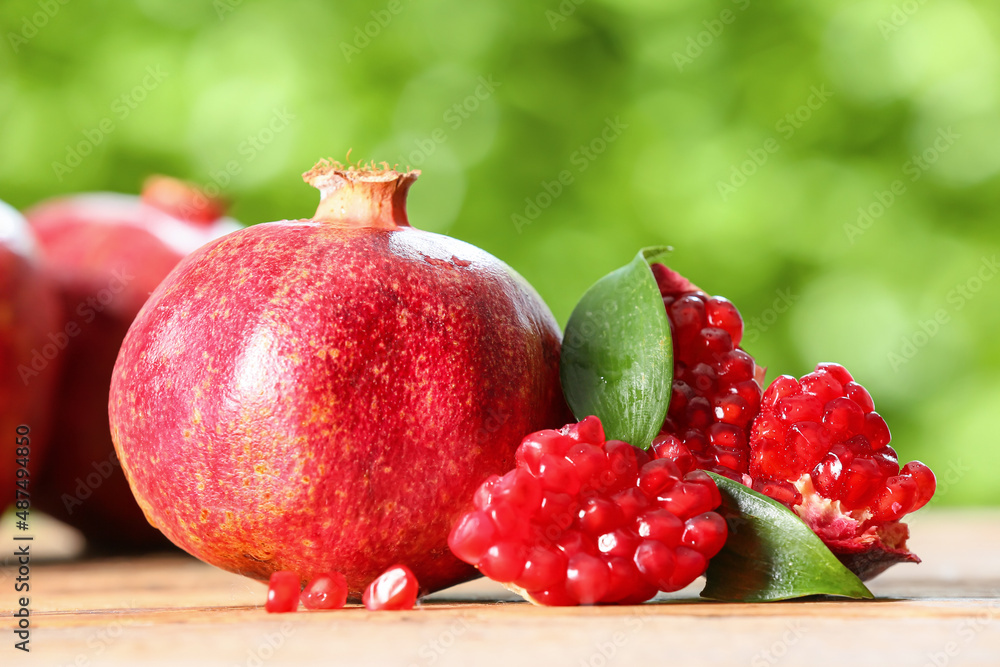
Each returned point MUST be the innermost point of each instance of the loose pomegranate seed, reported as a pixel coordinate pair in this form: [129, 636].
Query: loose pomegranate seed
[283, 592]
[610, 525]
[326, 591]
[395, 589]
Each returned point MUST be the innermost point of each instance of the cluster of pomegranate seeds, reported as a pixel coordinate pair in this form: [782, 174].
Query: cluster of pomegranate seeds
[821, 436]
[283, 592]
[582, 520]
[395, 589]
[716, 388]
[326, 591]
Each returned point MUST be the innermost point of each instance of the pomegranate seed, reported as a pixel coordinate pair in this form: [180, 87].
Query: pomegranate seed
[557, 474]
[838, 372]
[656, 561]
[876, 430]
[600, 515]
[895, 500]
[325, 591]
[688, 566]
[588, 430]
[621, 542]
[631, 501]
[843, 416]
[472, 536]
[283, 592]
[519, 488]
[705, 533]
[503, 561]
[626, 583]
[822, 385]
[926, 483]
[660, 525]
[859, 395]
[393, 590]
[483, 494]
[721, 313]
[587, 578]
[686, 500]
[544, 568]
[658, 476]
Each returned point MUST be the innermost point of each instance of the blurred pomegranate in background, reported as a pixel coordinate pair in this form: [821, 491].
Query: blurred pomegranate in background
[106, 253]
[29, 356]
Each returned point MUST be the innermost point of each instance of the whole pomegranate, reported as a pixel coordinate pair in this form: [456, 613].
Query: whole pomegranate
[30, 323]
[107, 252]
[326, 394]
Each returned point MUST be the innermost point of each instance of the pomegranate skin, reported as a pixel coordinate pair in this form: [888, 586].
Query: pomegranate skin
[29, 314]
[326, 395]
[106, 252]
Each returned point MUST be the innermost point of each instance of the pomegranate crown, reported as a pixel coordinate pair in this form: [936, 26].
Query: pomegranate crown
[363, 195]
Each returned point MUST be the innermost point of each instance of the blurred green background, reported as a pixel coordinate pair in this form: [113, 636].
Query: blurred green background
[832, 167]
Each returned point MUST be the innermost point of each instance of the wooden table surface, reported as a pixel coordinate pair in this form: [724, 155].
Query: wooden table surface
[174, 610]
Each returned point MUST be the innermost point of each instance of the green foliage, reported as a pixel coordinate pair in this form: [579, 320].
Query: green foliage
[600, 126]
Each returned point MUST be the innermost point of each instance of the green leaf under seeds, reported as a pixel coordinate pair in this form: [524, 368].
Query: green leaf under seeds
[771, 554]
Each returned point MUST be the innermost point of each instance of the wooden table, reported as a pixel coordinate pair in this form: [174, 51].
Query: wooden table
[174, 610]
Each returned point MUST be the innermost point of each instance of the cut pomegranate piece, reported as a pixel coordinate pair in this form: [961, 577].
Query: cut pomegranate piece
[326, 591]
[716, 388]
[815, 444]
[582, 520]
[283, 592]
[819, 447]
[395, 589]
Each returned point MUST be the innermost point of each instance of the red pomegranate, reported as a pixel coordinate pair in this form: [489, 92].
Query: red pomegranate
[326, 394]
[107, 252]
[29, 355]
[815, 444]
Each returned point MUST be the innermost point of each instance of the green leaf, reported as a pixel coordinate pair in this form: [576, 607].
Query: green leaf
[617, 358]
[771, 554]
